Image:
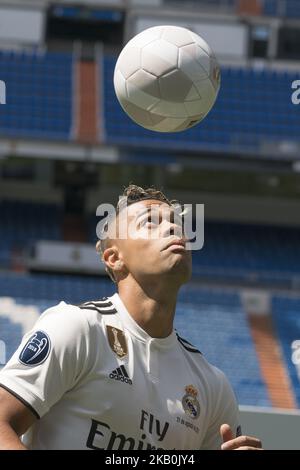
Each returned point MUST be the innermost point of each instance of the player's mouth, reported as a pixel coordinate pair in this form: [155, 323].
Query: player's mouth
[176, 244]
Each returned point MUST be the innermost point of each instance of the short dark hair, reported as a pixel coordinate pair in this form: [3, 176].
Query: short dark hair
[131, 195]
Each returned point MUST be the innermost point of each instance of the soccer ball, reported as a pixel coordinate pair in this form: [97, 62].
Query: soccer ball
[167, 78]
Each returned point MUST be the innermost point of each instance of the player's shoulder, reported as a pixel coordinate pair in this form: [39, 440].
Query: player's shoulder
[103, 306]
[218, 382]
[187, 346]
[76, 318]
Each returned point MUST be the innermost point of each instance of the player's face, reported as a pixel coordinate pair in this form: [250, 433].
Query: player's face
[155, 245]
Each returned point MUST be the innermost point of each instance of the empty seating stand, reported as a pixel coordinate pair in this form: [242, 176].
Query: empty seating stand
[25, 222]
[253, 107]
[282, 8]
[39, 95]
[241, 250]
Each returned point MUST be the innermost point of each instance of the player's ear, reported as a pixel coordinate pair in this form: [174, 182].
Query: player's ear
[112, 259]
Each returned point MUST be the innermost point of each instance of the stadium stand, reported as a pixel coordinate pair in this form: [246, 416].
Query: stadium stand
[53, 287]
[40, 95]
[237, 250]
[232, 251]
[281, 8]
[286, 319]
[288, 8]
[260, 111]
[259, 100]
[23, 223]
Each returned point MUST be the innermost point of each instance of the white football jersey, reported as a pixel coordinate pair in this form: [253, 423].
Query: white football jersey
[96, 380]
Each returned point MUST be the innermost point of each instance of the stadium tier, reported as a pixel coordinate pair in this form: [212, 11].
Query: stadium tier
[231, 251]
[287, 8]
[40, 106]
[243, 252]
[53, 288]
[23, 223]
[199, 313]
[281, 8]
[40, 95]
[238, 250]
[260, 111]
[286, 319]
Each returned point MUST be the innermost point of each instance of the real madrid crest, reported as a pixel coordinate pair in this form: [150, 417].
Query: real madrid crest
[190, 402]
[117, 341]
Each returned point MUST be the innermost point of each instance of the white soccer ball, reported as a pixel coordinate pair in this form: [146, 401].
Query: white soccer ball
[167, 78]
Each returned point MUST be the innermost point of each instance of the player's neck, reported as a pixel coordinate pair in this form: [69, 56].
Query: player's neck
[153, 308]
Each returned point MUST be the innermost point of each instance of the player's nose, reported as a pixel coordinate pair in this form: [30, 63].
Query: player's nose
[172, 229]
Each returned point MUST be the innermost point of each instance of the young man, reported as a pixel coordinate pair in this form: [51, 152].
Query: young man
[113, 373]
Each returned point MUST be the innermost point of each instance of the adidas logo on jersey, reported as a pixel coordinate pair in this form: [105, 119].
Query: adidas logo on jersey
[120, 373]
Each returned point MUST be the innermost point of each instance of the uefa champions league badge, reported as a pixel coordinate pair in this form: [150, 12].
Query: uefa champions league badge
[190, 402]
[36, 350]
[117, 341]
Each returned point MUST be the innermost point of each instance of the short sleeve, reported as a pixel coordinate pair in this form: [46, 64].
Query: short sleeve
[225, 412]
[50, 360]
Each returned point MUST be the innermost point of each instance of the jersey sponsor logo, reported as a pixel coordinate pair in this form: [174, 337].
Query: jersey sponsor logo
[36, 350]
[102, 437]
[117, 341]
[190, 402]
[120, 373]
[149, 423]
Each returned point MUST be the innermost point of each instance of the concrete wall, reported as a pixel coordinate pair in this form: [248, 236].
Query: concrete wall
[277, 428]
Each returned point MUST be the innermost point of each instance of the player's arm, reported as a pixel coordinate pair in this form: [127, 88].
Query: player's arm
[15, 419]
[50, 361]
[224, 431]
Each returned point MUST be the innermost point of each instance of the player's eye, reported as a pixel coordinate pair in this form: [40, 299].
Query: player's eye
[150, 221]
[145, 221]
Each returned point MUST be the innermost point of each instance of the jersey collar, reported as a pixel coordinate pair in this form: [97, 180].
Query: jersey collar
[136, 330]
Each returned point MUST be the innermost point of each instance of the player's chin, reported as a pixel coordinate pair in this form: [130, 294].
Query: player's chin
[181, 257]
[180, 265]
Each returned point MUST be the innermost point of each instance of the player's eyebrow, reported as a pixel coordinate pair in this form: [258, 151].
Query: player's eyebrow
[143, 212]
[151, 208]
